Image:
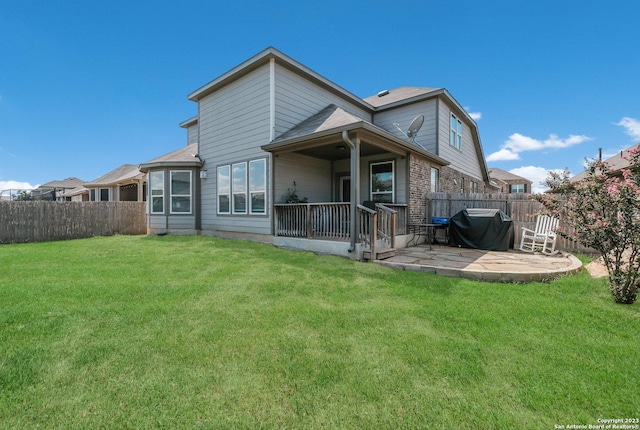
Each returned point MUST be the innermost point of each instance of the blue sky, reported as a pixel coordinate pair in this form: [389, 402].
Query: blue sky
[86, 86]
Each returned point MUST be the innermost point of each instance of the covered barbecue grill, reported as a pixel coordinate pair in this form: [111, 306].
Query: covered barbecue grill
[489, 229]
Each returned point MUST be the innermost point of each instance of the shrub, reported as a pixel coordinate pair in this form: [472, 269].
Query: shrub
[604, 211]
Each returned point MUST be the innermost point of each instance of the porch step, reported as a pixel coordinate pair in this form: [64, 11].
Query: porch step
[380, 254]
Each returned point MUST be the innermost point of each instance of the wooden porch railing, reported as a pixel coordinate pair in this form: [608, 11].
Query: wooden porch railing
[367, 231]
[402, 217]
[314, 220]
[331, 221]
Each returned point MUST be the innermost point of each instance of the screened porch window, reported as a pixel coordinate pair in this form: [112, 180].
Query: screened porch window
[382, 182]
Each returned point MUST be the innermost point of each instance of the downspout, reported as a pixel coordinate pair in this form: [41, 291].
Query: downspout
[355, 185]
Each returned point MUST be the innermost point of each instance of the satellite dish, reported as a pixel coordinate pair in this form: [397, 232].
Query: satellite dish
[415, 125]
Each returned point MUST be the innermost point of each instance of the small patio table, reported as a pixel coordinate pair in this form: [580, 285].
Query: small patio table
[423, 229]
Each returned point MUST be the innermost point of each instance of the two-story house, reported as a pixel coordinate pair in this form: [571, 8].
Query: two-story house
[509, 183]
[279, 153]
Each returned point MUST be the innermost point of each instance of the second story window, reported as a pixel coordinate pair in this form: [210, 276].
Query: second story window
[456, 132]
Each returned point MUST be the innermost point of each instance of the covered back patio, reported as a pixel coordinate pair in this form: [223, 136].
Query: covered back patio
[340, 179]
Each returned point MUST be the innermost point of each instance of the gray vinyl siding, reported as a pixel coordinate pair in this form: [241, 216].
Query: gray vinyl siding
[192, 133]
[404, 115]
[234, 123]
[311, 175]
[297, 99]
[464, 160]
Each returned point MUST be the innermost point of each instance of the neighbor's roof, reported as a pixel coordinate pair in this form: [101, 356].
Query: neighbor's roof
[65, 183]
[123, 174]
[502, 175]
[184, 157]
[75, 191]
[617, 162]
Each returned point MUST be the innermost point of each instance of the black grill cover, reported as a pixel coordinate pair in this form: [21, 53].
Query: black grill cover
[489, 229]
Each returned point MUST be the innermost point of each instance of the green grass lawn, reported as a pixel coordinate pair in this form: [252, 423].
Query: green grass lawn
[185, 332]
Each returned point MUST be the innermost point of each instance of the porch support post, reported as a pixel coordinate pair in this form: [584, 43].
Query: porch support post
[355, 185]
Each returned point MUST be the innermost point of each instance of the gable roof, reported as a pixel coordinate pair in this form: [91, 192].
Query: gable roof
[329, 118]
[331, 122]
[264, 57]
[75, 191]
[65, 183]
[401, 94]
[502, 175]
[184, 157]
[616, 163]
[397, 97]
[125, 173]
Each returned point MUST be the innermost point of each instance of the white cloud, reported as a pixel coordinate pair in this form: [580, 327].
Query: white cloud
[15, 185]
[631, 125]
[476, 116]
[535, 174]
[518, 143]
[503, 155]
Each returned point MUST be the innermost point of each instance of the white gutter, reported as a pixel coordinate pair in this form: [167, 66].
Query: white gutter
[355, 185]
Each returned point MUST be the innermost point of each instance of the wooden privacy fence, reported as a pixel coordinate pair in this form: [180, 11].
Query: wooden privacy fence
[39, 221]
[522, 209]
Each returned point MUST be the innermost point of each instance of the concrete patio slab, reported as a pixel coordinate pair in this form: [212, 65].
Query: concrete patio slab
[493, 266]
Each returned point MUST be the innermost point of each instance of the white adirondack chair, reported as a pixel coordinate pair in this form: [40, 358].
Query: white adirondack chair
[543, 238]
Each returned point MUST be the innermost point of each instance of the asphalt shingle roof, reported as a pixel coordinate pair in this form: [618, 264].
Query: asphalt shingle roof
[398, 94]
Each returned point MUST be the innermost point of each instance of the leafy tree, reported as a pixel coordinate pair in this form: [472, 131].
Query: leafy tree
[23, 195]
[604, 211]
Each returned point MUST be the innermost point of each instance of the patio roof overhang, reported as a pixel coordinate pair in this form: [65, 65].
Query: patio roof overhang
[145, 167]
[328, 144]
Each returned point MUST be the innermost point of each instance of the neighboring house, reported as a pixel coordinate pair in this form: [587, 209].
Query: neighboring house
[509, 183]
[272, 129]
[616, 163]
[55, 190]
[126, 183]
[77, 194]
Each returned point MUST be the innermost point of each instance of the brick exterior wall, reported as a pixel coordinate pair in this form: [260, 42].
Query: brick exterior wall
[420, 185]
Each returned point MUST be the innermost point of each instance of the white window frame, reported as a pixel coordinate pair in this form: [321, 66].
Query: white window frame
[227, 178]
[435, 180]
[514, 190]
[152, 196]
[261, 188]
[248, 188]
[392, 193]
[173, 195]
[455, 135]
[234, 188]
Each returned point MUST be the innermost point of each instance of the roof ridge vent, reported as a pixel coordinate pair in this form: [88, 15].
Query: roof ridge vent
[383, 93]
